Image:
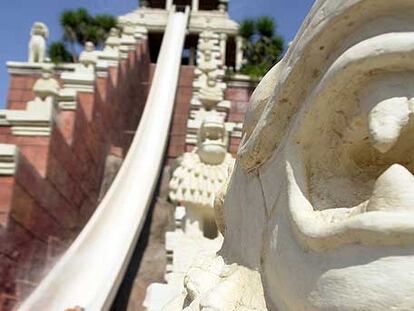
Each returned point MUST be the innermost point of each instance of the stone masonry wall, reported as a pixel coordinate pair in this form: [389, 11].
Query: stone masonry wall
[57, 182]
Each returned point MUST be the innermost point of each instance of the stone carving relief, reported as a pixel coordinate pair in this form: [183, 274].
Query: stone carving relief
[84, 75]
[88, 58]
[320, 203]
[208, 86]
[113, 42]
[202, 173]
[47, 86]
[37, 43]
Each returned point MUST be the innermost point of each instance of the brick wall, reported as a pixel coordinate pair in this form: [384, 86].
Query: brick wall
[58, 178]
[177, 145]
[239, 98]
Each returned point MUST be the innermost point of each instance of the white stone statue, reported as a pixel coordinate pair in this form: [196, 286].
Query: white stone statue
[320, 206]
[113, 41]
[84, 75]
[203, 172]
[89, 58]
[47, 85]
[37, 43]
[199, 176]
[208, 85]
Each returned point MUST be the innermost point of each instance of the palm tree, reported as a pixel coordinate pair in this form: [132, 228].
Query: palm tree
[74, 24]
[265, 26]
[247, 28]
[263, 46]
[80, 27]
[58, 53]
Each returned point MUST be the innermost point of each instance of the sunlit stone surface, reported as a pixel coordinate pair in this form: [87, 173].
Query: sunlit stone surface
[321, 199]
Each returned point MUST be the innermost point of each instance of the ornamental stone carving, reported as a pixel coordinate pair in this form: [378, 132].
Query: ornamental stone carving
[47, 85]
[113, 41]
[204, 171]
[89, 58]
[321, 201]
[37, 43]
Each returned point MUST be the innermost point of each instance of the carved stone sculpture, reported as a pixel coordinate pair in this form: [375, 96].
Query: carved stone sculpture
[203, 172]
[46, 86]
[37, 43]
[321, 200]
[198, 177]
[83, 78]
[211, 93]
[113, 41]
[89, 58]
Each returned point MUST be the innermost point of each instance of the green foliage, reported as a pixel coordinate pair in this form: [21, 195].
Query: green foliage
[265, 26]
[263, 46]
[247, 28]
[80, 27]
[58, 53]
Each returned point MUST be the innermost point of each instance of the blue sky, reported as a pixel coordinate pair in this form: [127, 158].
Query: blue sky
[17, 17]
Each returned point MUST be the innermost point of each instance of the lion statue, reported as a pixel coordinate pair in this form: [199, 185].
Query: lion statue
[37, 44]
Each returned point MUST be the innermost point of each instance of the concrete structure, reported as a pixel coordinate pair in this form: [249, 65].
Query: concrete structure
[319, 211]
[64, 135]
[317, 215]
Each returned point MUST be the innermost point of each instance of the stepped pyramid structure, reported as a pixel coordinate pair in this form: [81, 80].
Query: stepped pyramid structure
[120, 187]
[68, 128]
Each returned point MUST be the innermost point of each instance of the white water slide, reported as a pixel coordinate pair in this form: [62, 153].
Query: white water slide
[89, 274]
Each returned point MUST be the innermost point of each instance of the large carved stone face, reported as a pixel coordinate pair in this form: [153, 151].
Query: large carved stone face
[322, 198]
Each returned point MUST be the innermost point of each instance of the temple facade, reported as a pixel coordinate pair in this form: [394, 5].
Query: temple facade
[150, 176]
[67, 129]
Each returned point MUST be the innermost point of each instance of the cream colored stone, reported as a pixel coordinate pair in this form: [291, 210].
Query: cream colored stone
[46, 86]
[8, 159]
[199, 176]
[320, 202]
[89, 58]
[37, 44]
[155, 20]
[213, 285]
[83, 77]
[202, 173]
[113, 41]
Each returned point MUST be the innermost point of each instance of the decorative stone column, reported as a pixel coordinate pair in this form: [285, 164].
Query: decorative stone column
[223, 46]
[239, 52]
[194, 5]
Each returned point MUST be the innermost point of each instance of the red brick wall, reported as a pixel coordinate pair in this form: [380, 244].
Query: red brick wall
[239, 98]
[56, 186]
[177, 145]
